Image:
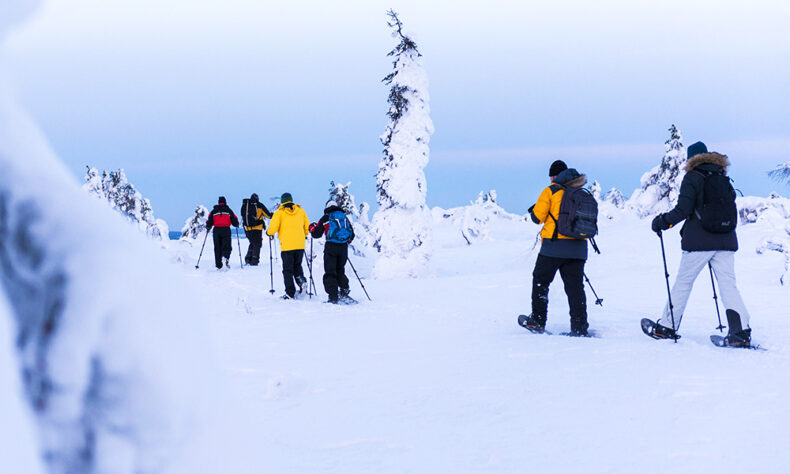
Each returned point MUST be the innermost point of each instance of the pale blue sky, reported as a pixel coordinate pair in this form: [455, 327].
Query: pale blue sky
[200, 98]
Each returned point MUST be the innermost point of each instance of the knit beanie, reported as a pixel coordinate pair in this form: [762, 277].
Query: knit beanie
[557, 167]
[286, 198]
[696, 149]
[222, 200]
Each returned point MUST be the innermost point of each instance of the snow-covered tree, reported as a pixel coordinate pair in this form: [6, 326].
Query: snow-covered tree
[115, 188]
[595, 189]
[782, 246]
[781, 172]
[195, 226]
[402, 227]
[344, 199]
[661, 185]
[615, 197]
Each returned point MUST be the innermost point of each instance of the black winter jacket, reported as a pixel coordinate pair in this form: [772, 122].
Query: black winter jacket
[694, 238]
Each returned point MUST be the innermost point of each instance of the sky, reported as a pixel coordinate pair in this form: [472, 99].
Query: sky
[199, 98]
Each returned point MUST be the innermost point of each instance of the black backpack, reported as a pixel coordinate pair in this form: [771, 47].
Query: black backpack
[718, 214]
[578, 215]
[249, 213]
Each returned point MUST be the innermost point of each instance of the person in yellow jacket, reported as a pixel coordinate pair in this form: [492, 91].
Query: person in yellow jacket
[292, 226]
[557, 252]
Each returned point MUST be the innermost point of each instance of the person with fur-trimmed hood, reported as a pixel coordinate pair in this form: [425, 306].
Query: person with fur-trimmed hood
[558, 252]
[221, 218]
[704, 243]
[339, 233]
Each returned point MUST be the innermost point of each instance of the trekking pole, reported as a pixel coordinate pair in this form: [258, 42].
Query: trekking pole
[241, 262]
[598, 301]
[360, 279]
[669, 292]
[201, 249]
[311, 284]
[271, 265]
[715, 299]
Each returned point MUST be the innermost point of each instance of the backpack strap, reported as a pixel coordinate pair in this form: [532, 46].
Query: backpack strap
[556, 228]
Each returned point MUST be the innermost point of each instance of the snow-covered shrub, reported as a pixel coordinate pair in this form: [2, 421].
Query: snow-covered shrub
[775, 209]
[402, 227]
[341, 194]
[115, 188]
[661, 185]
[112, 378]
[595, 190]
[781, 245]
[473, 221]
[615, 198]
[195, 226]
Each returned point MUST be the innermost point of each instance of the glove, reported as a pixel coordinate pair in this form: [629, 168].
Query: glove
[659, 224]
[312, 226]
[531, 208]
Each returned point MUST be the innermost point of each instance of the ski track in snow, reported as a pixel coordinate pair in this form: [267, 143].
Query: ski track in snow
[436, 376]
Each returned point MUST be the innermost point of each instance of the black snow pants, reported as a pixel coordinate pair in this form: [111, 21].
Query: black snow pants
[255, 239]
[572, 273]
[223, 244]
[335, 258]
[292, 269]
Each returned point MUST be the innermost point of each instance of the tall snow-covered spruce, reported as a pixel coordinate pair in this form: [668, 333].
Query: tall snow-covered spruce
[661, 185]
[402, 226]
[781, 172]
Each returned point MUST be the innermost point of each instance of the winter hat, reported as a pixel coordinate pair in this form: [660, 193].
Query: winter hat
[254, 197]
[222, 200]
[557, 167]
[286, 198]
[696, 149]
[331, 203]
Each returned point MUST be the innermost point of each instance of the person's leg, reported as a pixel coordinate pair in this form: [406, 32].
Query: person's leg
[288, 272]
[542, 275]
[227, 242]
[217, 248]
[691, 263]
[256, 242]
[248, 255]
[572, 273]
[330, 271]
[723, 264]
[340, 269]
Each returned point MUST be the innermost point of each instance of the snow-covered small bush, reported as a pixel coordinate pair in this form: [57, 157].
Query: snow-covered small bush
[195, 226]
[595, 189]
[341, 194]
[775, 209]
[473, 221]
[402, 227]
[115, 188]
[781, 172]
[615, 198]
[781, 245]
[661, 185]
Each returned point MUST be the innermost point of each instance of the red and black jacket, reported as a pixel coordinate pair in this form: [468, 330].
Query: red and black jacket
[222, 216]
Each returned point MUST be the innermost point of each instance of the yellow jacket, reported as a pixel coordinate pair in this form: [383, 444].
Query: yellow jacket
[259, 215]
[549, 203]
[292, 226]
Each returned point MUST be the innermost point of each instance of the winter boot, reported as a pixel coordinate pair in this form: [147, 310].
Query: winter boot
[533, 323]
[226, 262]
[301, 281]
[739, 339]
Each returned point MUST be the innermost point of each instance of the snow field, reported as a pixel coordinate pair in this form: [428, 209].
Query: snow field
[436, 376]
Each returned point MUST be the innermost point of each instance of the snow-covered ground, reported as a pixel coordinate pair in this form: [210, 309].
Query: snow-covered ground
[435, 375]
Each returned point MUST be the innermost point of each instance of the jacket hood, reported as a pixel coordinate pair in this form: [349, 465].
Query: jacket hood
[571, 178]
[712, 158]
[289, 207]
[221, 207]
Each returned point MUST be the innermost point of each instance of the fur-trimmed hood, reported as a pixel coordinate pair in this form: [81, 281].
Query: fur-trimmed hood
[712, 158]
[571, 178]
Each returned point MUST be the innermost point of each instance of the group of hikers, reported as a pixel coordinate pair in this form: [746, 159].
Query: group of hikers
[568, 213]
[707, 205]
[291, 225]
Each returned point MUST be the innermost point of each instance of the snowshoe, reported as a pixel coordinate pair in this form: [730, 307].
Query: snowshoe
[347, 300]
[531, 323]
[657, 331]
[740, 340]
[287, 297]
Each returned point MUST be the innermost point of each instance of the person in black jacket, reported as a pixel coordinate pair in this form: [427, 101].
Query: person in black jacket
[252, 213]
[702, 247]
[221, 218]
[339, 233]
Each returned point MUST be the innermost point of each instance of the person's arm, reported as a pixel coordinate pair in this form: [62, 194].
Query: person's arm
[540, 211]
[266, 212]
[274, 225]
[687, 200]
[317, 230]
[210, 221]
[305, 224]
[233, 219]
[353, 234]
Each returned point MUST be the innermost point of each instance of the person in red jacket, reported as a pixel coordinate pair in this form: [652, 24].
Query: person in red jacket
[221, 218]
